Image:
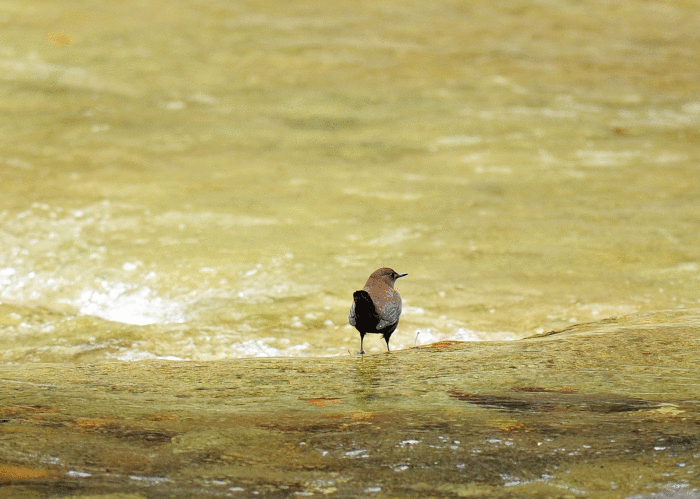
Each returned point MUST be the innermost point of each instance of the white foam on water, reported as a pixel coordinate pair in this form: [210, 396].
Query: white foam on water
[223, 220]
[128, 303]
[394, 237]
[52, 259]
[116, 301]
[262, 348]
[405, 443]
[266, 282]
[427, 336]
[459, 140]
[389, 196]
[135, 356]
[32, 68]
[596, 158]
[79, 474]
[149, 479]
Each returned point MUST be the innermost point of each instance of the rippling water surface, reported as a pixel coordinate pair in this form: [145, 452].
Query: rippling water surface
[216, 184]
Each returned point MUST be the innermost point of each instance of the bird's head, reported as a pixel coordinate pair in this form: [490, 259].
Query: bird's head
[387, 275]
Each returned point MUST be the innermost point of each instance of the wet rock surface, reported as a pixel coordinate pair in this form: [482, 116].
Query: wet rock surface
[607, 409]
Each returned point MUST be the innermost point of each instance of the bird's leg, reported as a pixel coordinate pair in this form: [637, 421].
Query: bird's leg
[387, 344]
[362, 349]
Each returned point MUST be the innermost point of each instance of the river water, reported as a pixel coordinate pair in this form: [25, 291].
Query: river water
[212, 180]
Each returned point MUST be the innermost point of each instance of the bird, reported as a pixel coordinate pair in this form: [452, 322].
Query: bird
[376, 308]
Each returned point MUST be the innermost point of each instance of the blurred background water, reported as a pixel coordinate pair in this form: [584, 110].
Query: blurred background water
[206, 180]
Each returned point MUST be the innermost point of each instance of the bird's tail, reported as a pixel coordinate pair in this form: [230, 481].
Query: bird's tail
[364, 306]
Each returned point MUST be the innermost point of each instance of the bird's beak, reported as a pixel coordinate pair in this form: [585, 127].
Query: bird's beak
[402, 275]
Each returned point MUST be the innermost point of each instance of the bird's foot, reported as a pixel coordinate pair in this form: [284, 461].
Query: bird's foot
[361, 352]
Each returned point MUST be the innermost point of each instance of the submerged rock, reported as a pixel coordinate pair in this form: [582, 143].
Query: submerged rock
[607, 409]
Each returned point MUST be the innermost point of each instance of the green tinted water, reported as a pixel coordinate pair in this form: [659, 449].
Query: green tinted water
[228, 174]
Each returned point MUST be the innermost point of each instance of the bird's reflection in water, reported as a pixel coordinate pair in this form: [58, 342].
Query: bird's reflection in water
[374, 378]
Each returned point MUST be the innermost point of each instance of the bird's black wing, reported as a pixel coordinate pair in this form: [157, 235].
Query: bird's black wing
[363, 313]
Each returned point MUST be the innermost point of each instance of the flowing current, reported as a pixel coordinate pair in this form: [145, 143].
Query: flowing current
[218, 187]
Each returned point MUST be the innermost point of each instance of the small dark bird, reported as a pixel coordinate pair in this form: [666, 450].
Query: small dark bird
[376, 307]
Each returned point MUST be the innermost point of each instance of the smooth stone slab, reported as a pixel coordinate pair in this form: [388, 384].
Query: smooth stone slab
[608, 409]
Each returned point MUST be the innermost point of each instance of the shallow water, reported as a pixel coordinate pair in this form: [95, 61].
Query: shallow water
[604, 410]
[216, 184]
